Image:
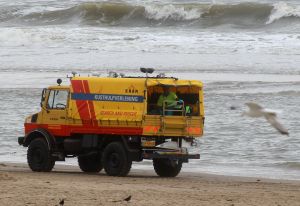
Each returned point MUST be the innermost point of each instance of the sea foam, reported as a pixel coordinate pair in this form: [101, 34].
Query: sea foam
[281, 10]
[171, 12]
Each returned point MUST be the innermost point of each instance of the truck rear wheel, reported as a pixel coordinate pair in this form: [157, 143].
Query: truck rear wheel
[115, 160]
[90, 163]
[167, 167]
[39, 157]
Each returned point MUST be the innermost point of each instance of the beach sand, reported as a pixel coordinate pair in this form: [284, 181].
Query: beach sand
[20, 186]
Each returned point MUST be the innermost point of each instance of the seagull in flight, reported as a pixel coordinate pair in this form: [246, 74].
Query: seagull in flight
[255, 110]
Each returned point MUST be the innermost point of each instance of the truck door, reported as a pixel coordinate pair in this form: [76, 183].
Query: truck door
[56, 111]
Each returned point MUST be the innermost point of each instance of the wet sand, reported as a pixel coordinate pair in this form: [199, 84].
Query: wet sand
[20, 186]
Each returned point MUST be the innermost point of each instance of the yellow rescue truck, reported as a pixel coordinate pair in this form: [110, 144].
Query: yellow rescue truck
[109, 122]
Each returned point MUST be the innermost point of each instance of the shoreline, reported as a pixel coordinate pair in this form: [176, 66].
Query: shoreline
[20, 186]
[60, 167]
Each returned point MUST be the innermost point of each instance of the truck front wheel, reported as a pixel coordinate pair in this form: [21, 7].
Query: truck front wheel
[39, 157]
[115, 160]
[90, 163]
[167, 167]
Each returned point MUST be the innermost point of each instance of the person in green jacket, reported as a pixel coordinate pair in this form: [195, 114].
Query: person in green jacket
[170, 99]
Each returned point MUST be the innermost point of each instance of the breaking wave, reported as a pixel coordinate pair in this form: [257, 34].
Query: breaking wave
[283, 10]
[124, 14]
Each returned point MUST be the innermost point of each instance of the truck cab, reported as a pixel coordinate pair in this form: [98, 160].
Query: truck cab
[109, 122]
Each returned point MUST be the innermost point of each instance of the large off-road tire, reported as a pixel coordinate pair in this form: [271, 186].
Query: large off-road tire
[39, 157]
[115, 160]
[90, 163]
[167, 167]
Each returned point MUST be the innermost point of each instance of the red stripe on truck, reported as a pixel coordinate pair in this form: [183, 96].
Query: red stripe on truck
[90, 103]
[82, 105]
[68, 130]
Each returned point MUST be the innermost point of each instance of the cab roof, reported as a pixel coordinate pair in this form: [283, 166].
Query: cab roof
[59, 87]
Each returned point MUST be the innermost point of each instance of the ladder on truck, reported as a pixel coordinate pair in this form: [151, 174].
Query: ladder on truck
[174, 119]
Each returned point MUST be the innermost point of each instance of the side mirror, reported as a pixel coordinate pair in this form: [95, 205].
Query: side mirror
[43, 98]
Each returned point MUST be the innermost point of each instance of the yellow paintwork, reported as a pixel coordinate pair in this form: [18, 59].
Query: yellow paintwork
[109, 110]
[127, 114]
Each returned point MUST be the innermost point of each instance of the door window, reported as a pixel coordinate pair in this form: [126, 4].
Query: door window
[57, 99]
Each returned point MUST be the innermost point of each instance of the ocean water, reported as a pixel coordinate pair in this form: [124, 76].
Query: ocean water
[242, 50]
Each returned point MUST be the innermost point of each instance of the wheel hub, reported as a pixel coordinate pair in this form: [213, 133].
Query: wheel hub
[114, 160]
[38, 156]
